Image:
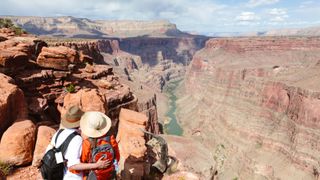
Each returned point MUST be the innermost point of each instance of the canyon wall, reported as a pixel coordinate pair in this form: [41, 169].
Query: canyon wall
[67, 26]
[255, 103]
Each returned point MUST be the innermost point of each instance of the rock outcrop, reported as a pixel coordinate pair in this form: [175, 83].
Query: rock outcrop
[58, 58]
[44, 136]
[132, 144]
[12, 103]
[253, 99]
[17, 143]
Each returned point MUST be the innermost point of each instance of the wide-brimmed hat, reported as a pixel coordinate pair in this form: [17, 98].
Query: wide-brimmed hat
[71, 119]
[95, 124]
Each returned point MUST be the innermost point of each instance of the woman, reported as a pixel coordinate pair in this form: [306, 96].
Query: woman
[98, 144]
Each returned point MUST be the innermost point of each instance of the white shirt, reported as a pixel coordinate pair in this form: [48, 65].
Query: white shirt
[72, 153]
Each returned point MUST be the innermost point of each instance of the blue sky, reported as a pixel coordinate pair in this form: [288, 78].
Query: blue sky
[202, 16]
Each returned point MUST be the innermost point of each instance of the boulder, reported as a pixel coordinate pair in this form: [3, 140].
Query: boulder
[132, 144]
[57, 57]
[13, 58]
[17, 143]
[88, 99]
[44, 136]
[12, 103]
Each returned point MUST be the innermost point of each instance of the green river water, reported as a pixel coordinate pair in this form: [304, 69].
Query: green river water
[172, 127]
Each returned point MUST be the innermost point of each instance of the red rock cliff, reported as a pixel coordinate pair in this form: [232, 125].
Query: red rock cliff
[255, 103]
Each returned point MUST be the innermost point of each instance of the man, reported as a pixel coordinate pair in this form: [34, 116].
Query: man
[70, 123]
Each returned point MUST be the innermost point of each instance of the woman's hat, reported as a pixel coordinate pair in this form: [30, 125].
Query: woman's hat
[71, 119]
[95, 124]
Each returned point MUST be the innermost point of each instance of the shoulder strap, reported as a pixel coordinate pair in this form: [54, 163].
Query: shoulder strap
[63, 147]
[59, 132]
[108, 139]
[93, 145]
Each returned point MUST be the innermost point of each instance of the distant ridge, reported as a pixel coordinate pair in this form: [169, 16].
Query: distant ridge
[71, 27]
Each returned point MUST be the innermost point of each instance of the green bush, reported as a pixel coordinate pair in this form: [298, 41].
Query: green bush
[7, 23]
[70, 88]
[5, 168]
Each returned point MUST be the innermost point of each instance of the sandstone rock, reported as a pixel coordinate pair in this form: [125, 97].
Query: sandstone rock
[13, 59]
[17, 143]
[57, 57]
[132, 143]
[44, 136]
[7, 32]
[181, 175]
[12, 103]
[88, 100]
[85, 58]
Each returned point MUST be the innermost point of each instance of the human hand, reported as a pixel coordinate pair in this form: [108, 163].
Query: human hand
[102, 164]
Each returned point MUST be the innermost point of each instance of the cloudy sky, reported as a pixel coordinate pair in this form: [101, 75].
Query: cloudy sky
[202, 16]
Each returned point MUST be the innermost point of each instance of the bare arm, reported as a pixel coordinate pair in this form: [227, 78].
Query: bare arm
[100, 164]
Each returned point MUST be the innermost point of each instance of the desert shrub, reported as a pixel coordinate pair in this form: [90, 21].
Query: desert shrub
[5, 168]
[7, 23]
[70, 88]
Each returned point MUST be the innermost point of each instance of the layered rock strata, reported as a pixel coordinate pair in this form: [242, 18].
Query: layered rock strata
[255, 103]
[86, 28]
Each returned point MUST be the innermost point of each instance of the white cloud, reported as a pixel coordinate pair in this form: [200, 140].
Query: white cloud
[255, 3]
[278, 12]
[278, 15]
[247, 16]
[190, 15]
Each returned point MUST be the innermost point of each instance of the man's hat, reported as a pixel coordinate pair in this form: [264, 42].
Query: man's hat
[95, 124]
[71, 119]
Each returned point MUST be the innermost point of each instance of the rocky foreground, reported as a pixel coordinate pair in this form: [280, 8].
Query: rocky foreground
[255, 103]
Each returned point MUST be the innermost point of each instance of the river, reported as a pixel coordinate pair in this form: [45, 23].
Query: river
[172, 126]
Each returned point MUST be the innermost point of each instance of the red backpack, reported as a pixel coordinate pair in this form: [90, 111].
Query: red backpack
[102, 148]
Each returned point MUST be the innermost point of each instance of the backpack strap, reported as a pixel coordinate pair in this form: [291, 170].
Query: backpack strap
[59, 132]
[63, 147]
[93, 145]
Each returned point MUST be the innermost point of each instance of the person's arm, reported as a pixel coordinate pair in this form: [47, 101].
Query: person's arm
[51, 144]
[100, 164]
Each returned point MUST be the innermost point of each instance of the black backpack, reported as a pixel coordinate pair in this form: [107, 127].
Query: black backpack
[50, 170]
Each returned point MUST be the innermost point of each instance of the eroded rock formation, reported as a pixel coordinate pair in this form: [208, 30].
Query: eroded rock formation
[132, 144]
[255, 103]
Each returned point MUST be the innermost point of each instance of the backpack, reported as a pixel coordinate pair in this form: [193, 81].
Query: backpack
[103, 150]
[50, 169]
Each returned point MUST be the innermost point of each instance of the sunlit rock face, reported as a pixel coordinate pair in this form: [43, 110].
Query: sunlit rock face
[255, 103]
[85, 28]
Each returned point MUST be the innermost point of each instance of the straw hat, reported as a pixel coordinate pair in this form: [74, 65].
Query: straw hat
[71, 119]
[95, 124]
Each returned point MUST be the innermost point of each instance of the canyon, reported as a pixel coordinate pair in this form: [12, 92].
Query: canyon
[255, 103]
[243, 107]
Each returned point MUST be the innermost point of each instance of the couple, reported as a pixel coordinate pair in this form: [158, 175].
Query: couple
[82, 155]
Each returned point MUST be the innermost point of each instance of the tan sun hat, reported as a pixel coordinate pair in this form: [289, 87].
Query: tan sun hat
[95, 124]
[71, 119]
